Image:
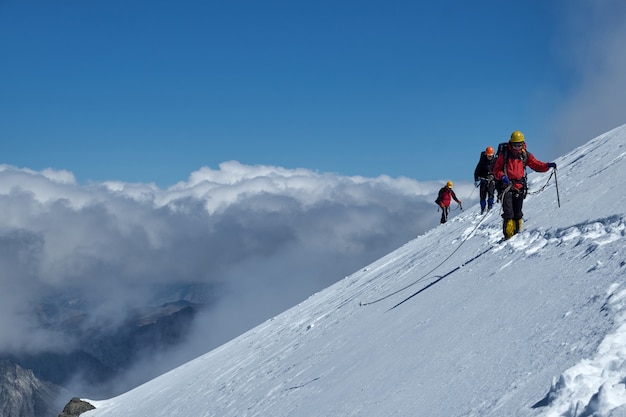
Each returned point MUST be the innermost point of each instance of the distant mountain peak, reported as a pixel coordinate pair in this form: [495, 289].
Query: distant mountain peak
[23, 394]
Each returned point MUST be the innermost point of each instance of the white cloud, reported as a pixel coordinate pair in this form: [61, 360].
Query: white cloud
[263, 237]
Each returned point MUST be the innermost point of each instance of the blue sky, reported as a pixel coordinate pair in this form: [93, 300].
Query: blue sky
[151, 91]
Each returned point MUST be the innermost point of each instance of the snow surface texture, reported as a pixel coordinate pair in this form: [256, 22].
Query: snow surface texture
[455, 323]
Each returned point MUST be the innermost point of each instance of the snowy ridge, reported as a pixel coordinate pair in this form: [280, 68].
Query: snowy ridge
[532, 326]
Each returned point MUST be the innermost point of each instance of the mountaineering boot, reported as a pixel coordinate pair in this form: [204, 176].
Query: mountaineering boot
[512, 227]
[509, 228]
[482, 206]
[489, 203]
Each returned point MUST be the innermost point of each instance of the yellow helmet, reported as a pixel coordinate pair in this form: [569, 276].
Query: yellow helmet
[449, 184]
[517, 137]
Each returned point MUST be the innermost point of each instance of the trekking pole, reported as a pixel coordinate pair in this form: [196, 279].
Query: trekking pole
[478, 186]
[556, 184]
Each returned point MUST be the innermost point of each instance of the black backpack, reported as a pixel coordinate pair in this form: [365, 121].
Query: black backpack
[440, 195]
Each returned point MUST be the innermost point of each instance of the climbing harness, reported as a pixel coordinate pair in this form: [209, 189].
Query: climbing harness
[553, 173]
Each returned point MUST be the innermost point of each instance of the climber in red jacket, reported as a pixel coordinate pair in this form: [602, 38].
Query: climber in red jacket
[510, 170]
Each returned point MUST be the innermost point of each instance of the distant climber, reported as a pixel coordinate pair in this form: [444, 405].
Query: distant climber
[483, 178]
[510, 170]
[445, 197]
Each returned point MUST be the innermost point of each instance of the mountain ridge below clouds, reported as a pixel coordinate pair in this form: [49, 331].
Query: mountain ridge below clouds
[102, 353]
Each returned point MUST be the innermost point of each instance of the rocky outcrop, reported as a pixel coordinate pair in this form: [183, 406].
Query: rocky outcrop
[24, 395]
[75, 408]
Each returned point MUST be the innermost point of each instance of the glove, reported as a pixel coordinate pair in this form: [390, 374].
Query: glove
[476, 183]
[505, 180]
[551, 165]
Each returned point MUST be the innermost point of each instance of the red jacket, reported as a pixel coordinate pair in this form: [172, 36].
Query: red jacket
[515, 166]
[445, 196]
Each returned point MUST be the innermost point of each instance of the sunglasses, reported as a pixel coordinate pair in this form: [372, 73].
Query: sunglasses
[517, 145]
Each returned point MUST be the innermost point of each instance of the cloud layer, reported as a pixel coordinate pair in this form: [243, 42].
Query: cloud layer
[250, 241]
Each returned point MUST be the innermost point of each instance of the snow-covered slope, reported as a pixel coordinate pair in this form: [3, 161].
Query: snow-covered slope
[530, 326]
